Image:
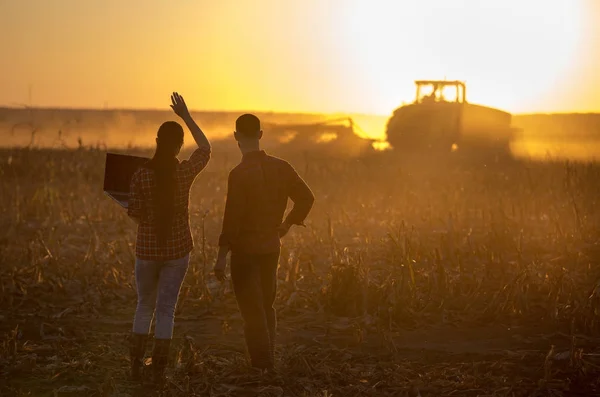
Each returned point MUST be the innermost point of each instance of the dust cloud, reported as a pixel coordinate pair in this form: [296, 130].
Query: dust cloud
[554, 136]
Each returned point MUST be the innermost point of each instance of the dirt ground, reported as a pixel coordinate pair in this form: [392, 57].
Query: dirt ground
[71, 354]
[407, 281]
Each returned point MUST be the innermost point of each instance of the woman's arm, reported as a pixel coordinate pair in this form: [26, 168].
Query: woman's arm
[180, 109]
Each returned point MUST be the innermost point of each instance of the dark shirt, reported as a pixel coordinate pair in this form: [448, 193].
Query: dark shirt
[257, 193]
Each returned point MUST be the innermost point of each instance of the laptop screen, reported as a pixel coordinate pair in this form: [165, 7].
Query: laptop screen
[118, 171]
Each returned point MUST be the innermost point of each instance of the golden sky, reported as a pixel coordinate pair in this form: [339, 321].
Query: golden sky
[298, 55]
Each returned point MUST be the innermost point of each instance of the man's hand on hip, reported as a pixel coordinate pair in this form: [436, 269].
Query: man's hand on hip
[221, 263]
[283, 229]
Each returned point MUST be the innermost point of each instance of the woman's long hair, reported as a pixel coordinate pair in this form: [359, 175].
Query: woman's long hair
[163, 163]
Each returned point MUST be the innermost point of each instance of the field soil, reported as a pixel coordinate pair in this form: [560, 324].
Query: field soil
[317, 354]
[410, 279]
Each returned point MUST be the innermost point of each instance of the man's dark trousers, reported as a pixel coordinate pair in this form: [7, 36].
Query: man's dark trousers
[254, 278]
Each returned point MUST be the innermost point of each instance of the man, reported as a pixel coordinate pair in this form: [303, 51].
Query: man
[253, 224]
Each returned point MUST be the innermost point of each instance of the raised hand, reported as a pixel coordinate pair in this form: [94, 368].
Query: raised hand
[179, 106]
[181, 109]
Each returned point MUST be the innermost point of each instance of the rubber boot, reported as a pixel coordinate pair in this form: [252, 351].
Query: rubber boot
[137, 350]
[160, 358]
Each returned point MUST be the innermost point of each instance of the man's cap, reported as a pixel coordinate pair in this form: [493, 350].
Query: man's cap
[247, 124]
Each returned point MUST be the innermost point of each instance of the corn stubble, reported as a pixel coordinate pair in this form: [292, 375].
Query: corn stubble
[407, 282]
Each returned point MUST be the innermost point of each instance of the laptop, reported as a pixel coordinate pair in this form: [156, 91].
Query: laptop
[118, 171]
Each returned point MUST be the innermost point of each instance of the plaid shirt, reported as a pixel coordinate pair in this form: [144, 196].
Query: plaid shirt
[257, 196]
[141, 207]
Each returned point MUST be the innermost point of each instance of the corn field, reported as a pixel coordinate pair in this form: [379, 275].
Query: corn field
[407, 281]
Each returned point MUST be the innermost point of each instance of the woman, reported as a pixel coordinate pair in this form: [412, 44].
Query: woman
[159, 199]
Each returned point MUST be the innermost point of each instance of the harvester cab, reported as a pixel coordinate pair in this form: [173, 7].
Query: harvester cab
[440, 91]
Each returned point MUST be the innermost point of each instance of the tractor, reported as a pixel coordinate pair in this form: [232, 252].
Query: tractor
[441, 123]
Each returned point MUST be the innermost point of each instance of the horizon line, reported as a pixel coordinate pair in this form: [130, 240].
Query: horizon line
[283, 112]
[206, 110]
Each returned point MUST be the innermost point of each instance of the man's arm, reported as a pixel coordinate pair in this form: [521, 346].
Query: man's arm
[232, 217]
[234, 209]
[302, 197]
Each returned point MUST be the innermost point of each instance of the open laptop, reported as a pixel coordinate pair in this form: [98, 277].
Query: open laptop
[118, 171]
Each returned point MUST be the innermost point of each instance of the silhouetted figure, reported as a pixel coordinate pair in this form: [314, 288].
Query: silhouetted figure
[258, 190]
[159, 196]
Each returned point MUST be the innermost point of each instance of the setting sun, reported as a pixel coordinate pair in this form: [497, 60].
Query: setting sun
[338, 56]
[512, 54]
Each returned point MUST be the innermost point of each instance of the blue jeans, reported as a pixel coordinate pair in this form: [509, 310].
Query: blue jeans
[158, 285]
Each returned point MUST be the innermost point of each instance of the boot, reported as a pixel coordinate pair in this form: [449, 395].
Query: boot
[137, 349]
[160, 358]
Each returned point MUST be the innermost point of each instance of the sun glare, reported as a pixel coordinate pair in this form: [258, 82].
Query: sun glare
[511, 53]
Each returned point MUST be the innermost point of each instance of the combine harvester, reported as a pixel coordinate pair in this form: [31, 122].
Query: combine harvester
[440, 124]
[335, 137]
